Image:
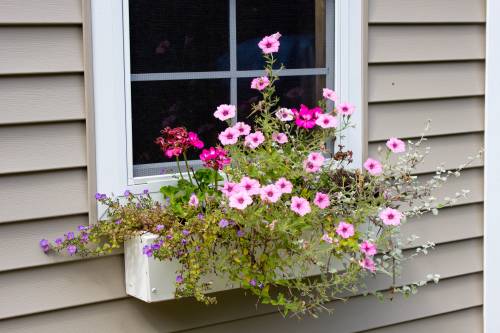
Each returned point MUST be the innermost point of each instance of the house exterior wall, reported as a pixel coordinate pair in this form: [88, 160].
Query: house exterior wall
[426, 60]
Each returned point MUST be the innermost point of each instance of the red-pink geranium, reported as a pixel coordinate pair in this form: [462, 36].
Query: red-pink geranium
[215, 158]
[305, 117]
[175, 141]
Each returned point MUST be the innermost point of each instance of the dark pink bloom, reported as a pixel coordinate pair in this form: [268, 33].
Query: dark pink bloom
[305, 117]
[215, 158]
[175, 141]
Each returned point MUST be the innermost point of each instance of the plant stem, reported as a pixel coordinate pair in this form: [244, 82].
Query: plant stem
[187, 167]
[179, 167]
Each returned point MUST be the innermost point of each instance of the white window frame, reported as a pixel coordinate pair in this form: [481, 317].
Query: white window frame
[111, 88]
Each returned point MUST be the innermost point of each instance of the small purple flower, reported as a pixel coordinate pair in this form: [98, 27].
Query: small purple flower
[100, 196]
[45, 245]
[71, 249]
[147, 250]
[169, 236]
[240, 233]
[146, 191]
[223, 223]
[84, 237]
[58, 241]
[185, 232]
[201, 216]
[160, 227]
[70, 235]
[119, 221]
[253, 283]
[197, 248]
[179, 279]
[82, 227]
[184, 241]
[127, 193]
[155, 246]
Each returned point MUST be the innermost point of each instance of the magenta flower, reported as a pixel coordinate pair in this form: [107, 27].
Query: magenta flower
[316, 158]
[373, 167]
[251, 186]
[344, 229]
[345, 109]
[240, 200]
[327, 121]
[214, 158]
[270, 44]
[231, 188]
[396, 145]
[327, 238]
[270, 193]
[368, 248]
[194, 141]
[260, 83]
[368, 264]
[253, 140]
[329, 94]
[284, 114]
[280, 138]
[284, 185]
[193, 200]
[322, 200]
[225, 111]
[390, 216]
[242, 128]
[306, 118]
[229, 136]
[300, 206]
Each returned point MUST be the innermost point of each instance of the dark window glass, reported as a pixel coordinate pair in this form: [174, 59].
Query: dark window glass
[188, 103]
[301, 22]
[292, 91]
[179, 35]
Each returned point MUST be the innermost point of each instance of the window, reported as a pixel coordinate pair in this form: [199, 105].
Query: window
[172, 62]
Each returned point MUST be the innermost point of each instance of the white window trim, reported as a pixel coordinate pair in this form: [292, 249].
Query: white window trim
[109, 94]
[491, 170]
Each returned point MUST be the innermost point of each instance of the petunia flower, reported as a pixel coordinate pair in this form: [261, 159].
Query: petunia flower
[373, 167]
[284, 185]
[251, 186]
[260, 83]
[253, 140]
[280, 138]
[240, 200]
[270, 193]
[327, 121]
[396, 145]
[344, 229]
[225, 111]
[329, 94]
[284, 114]
[229, 136]
[368, 264]
[310, 167]
[322, 200]
[242, 128]
[327, 238]
[390, 216]
[300, 206]
[316, 158]
[368, 248]
[231, 188]
[193, 200]
[345, 109]
[270, 44]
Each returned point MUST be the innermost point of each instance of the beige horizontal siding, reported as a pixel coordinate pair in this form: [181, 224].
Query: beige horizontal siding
[27, 50]
[42, 147]
[414, 43]
[43, 195]
[448, 116]
[424, 81]
[40, 11]
[41, 98]
[426, 11]
[464, 321]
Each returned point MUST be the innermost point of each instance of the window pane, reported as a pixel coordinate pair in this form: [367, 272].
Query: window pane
[301, 22]
[179, 35]
[292, 91]
[188, 103]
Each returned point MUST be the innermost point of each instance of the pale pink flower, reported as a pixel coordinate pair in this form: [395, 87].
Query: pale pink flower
[345, 230]
[310, 167]
[373, 167]
[396, 145]
[193, 200]
[280, 138]
[345, 109]
[225, 111]
[260, 83]
[270, 44]
[242, 128]
[322, 200]
[284, 185]
[329, 94]
[229, 136]
[327, 238]
[327, 121]
[390, 216]
[251, 186]
[300, 206]
[368, 264]
[368, 248]
[284, 114]
[231, 188]
[253, 140]
[316, 158]
[270, 193]
[240, 200]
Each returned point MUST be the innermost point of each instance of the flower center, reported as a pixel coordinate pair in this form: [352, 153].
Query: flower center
[390, 216]
[241, 200]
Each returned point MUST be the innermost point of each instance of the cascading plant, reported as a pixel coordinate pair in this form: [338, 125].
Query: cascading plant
[274, 210]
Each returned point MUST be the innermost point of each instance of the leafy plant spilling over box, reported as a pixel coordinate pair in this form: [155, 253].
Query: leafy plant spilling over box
[274, 210]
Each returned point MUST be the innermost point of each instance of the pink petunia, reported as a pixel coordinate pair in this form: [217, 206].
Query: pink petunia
[229, 136]
[242, 128]
[368, 264]
[345, 230]
[322, 200]
[329, 94]
[390, 216]
[284, 114]
[253, 140]
[260, 83]
[270, 44]
[240, 200]
[225, 111]
[373, 167]
[251, 186]
[284, 185]
[327, 121]
[310, 167]
[280, 138]
[193, 200]
[368, 248]
[396, 145]
[270, 193]
[300, 206]
[327, 238]
[345, 109]
[231, 188]
[316, 158]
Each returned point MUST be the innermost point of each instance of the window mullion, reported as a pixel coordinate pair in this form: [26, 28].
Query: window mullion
[233, 55]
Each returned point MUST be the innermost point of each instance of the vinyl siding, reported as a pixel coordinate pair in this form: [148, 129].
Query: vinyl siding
[426, 60]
